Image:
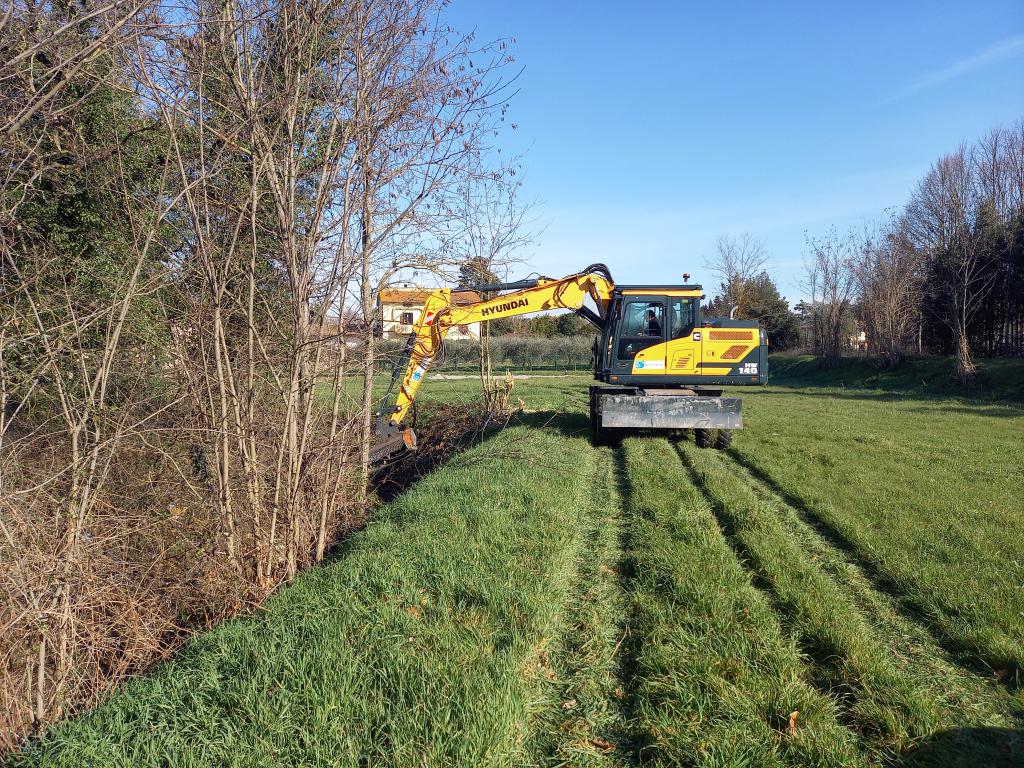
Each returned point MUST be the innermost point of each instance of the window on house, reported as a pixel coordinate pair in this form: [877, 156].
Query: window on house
[406, 318]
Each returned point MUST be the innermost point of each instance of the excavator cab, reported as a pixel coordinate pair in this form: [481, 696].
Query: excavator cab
[657, 336]
[663, 366]
[640, 324]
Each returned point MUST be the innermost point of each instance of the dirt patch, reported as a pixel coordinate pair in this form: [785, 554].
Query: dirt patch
[448, 430]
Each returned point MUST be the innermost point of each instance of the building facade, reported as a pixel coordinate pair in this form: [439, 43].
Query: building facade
[399, 308]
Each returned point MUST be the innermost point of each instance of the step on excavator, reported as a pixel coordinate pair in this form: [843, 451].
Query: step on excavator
[658, 364]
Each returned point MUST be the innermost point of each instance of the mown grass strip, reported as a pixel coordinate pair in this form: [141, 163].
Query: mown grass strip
[411, 648]
[924, 492]
[985, 712]
[979, 699]
[581, 712]
[886, 706]
[716, 680]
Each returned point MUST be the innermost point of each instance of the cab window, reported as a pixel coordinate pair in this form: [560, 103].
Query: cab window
[684, 317]
[643, 318]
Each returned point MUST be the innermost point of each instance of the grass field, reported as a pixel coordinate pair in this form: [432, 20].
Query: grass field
[843, 587]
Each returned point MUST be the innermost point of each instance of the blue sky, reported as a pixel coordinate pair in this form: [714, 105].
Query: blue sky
[651, 128]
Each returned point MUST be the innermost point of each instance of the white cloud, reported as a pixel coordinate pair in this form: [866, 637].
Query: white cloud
[1010, 48]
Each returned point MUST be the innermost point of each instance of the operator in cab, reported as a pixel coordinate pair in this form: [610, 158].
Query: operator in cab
[653, 324]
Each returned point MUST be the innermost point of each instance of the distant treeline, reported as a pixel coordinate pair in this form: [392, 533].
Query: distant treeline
[544, 326]
[944, 274]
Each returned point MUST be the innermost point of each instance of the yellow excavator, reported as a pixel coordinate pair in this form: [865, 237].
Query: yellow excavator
[658, 364]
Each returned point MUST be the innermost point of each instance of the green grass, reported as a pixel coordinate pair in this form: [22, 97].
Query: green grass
[555, 392]
[997, 379]
[581, 706]
[716, 678]
[881, 702]
[413, 647]
[923, 491]
[855, 558]
[884, 665]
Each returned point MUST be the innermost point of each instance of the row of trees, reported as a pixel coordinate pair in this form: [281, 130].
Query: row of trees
[747, 292]
[944, 274]
[191, 193]
[543, 326]
[507, 353]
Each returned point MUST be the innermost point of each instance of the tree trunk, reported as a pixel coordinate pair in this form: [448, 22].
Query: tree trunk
[369, 349]
[965, 368]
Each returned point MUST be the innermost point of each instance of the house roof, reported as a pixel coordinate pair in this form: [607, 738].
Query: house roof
[415, 297]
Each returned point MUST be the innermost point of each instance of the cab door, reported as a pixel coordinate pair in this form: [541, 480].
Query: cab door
[683, 351]
[641, 326]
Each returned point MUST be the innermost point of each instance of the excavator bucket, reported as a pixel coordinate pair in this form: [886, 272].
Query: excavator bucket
[393, 447]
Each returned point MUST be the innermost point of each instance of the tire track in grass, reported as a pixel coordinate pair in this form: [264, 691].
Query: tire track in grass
[890, 709]
[910, 606]
[717, 682]
[916, 491]
[581, 715]
[911, 642]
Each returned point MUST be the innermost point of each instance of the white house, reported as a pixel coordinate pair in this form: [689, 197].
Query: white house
[400, 308]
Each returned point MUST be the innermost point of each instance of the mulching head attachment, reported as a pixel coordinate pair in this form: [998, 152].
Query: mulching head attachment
[393, 447]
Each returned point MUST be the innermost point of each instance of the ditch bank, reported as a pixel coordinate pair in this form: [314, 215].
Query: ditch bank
[408, 647]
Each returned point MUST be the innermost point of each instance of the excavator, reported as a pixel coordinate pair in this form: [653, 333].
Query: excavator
[658, 363]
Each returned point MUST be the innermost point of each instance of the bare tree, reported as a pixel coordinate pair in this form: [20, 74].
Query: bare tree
[992, 159]
[495, 227]
[176, 433]
[1013, 166]
[737, 261]
[49, 47]
[424, 109]
[830, 285]
[265, 92]
[943, 222]
[889, 284]
[74, 304]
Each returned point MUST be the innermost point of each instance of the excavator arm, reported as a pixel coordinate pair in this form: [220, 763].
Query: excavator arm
[439, 315]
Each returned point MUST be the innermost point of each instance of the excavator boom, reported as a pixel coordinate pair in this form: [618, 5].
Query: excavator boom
[439, 315]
